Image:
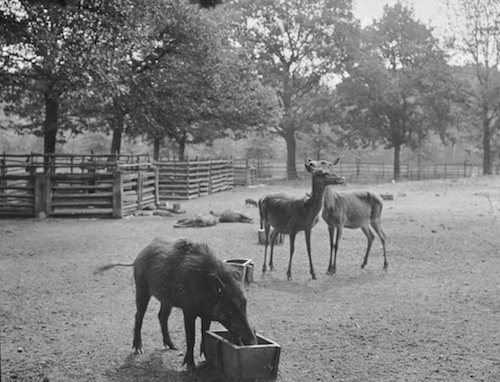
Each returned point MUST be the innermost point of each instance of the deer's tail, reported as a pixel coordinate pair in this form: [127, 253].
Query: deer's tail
[104, 268]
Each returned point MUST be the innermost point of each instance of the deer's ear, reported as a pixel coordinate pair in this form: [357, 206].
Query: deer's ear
[336, 161]
[216, 283]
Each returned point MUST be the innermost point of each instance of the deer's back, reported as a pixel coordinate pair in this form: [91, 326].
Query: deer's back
[351, 209]
[284, 212]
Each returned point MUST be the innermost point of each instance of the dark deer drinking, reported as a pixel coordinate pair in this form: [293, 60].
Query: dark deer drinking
[187, 275]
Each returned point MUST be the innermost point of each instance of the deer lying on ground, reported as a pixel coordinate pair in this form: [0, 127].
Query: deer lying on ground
[352, 210]
[289, 214]
[230, 216]
[200, 220]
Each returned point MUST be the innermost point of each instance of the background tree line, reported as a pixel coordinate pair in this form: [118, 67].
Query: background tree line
[179, 73]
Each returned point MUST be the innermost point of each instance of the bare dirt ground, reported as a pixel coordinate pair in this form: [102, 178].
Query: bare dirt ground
[433, 316]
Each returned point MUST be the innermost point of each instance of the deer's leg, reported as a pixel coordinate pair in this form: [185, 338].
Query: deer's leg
[308, 245]
[189, 326]
[142, 297]
[331, 268]
[370, 236]
[378, 229]
[163, 315]
[338, 236]
[292, 248]
[205, 325]
[273, 238]
[267, 227]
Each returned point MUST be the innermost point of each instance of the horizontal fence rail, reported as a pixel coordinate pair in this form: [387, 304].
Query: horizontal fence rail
[364, 172]
[68, 163]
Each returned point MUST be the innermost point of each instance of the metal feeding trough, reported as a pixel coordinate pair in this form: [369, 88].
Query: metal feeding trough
[242, 362]
[244, 267]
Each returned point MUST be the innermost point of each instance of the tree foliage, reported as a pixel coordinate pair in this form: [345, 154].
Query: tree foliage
[206, 90]
[297, 45]
[400, 88]
[47, 55]
[162, 68]
[476, 37]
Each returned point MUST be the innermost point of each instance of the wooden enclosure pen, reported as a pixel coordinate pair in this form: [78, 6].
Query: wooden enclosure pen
[76, 186]
[182, 180]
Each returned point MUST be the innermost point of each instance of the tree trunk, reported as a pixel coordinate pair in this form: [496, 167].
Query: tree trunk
[116, 143]
[291, 167]
[50, 127]
[156, 149]
[182, 149]
[397, 164]
[487, 170]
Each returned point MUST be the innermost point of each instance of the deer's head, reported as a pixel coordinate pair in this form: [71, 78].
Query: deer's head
[324, 169]
[312, 165]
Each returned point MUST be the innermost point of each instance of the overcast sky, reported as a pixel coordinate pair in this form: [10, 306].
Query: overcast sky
[427, 11]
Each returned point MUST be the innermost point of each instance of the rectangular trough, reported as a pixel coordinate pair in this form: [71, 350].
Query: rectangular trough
[242, 362]
[244, 267]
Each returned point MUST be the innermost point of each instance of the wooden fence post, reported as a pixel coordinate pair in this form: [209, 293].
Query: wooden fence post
[117, 194]
[248, 174]
[157, 186]
[43, 194]
[140, 181]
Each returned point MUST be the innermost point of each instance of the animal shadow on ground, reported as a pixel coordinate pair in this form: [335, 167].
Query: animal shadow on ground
[152, 367]
[274, 280]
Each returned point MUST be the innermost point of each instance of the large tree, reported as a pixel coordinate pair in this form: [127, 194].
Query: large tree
[46, 56]
[298, 45]
[79, 66]
[206, 90]
[155, 32]
[400, 89]
[475, 27]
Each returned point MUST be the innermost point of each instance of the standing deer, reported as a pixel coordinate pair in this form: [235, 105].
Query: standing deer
[352, 210]
[289, 214]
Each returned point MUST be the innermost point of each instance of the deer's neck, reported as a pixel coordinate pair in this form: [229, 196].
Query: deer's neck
[315, 201]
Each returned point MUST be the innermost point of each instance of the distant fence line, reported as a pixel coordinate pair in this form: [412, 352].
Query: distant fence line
[119, 185]
[370, 172]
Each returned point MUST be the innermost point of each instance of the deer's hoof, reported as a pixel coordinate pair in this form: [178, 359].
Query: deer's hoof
[138, 350]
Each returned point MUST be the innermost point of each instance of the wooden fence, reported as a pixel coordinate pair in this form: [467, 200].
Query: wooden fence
[366, 172]
[72, 187]
[117, 186]
[182, 180]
